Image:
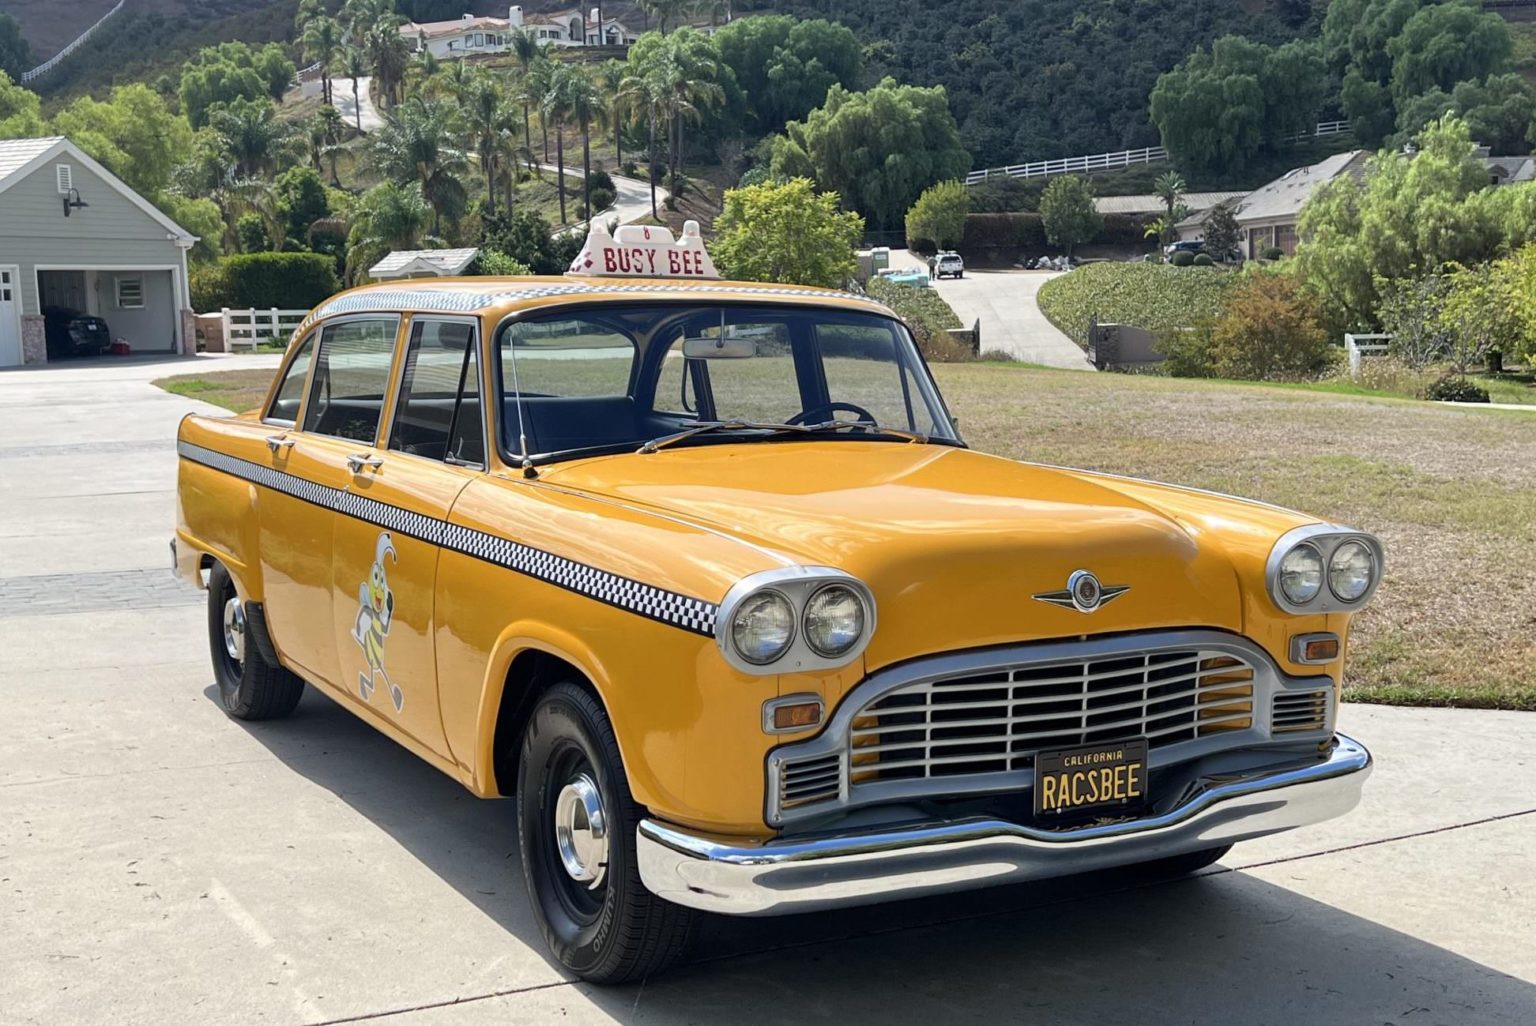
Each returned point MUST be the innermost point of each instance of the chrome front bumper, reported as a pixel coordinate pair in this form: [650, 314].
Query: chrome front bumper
[804, 875]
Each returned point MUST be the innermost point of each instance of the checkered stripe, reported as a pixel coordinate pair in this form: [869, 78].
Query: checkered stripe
[446, 301]
[669, 607]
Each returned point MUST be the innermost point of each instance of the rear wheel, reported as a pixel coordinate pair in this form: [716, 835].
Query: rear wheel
[577, 820]
[250, 687]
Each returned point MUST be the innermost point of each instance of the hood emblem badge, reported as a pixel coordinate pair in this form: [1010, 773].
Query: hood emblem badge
[1083, 593]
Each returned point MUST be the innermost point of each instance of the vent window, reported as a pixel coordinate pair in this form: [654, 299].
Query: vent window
[65, 175]
[130, 293]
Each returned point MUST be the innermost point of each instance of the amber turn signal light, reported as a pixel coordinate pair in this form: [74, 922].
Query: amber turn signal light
[790, 714]
[1314, 648]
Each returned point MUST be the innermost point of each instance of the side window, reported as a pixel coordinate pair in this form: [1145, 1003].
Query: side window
[285, 405]
[571, 358]
[439, 414]
[351, 378]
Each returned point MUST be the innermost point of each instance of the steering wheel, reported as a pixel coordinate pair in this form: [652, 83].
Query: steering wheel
[814, 415]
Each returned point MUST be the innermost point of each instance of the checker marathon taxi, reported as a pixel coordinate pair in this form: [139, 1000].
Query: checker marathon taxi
[704, 575]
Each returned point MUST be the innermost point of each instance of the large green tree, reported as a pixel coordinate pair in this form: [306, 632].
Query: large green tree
[1068, 214]
[387, 217]
[785, 66]
[1219, 108]
[878, 149]
[417, 143]
[132, 133]
[21, 115]
[939, 214]
[232, 71]
[15, 54]
[786, 232]
[1499, 112]
[1444, 44]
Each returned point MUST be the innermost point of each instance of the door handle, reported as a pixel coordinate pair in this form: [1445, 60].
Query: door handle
[356, 462]
[276, 442]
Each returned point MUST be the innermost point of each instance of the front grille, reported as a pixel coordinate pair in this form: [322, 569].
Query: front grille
[996, 720]
[1298, 711]
[806, 781]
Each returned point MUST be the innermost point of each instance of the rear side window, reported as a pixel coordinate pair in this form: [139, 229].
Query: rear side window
[439, 416]
[285, 405]
[351, 378]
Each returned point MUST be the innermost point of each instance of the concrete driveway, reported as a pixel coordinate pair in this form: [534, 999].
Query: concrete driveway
[161, 863]
[1005, 302]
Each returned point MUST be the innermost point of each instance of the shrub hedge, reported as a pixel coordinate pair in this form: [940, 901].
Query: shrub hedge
[1182, 258]
[926, 314]
[993, 236]
[1156, 297]
[288, 281]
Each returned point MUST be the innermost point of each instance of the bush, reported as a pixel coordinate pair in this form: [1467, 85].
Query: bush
[288, 281]
[939, 215]
[631, 169]
[1186, 352]
[1123, 230]
[1274, 253]
[988, 235]
[494, 263]
[927, 315]
[251, 230]
[1453, 388]
[1269, 330]
[1182, 258]
[1203, 260]
[1156, 297]
[601, 179]
[602, 199]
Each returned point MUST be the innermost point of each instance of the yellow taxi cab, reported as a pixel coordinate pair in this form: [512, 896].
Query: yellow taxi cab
[704, 575]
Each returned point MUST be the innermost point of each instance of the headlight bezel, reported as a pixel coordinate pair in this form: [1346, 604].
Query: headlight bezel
[1326, 539]
[797, 585]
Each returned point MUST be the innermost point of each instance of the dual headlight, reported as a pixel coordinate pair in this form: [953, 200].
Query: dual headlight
[801, 618]
[1323, 569]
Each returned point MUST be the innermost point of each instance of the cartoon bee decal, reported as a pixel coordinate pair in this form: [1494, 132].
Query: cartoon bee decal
[375, 613]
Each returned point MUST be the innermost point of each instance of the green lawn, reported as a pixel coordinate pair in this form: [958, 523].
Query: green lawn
[1451, 492]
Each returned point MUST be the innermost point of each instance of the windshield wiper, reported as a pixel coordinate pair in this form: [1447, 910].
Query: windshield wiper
[708, 426]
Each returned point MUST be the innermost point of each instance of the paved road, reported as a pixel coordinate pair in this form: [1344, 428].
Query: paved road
[1010, 317]
[341, 92]
[160, 863]
[632, 204]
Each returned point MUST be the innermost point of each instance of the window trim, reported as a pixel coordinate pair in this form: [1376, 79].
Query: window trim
[282, 374]
[399, 390]
[390, 383]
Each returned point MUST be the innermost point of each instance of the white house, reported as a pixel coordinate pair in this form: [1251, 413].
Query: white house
[470, 35]
[74, 236]
[423, 263]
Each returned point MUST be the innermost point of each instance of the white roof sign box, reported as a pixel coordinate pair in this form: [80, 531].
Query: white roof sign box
[644, 251]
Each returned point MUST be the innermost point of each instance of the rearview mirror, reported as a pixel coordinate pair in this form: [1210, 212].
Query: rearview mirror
[719, 348]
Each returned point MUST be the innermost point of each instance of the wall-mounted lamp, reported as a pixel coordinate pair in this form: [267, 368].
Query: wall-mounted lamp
[72, 201]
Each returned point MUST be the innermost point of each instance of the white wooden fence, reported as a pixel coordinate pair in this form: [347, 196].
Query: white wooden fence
[1358, 346]
[79, 41]
[251, 328]
[1113, 161]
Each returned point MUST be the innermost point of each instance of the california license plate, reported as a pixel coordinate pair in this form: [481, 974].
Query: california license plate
[1094, 777]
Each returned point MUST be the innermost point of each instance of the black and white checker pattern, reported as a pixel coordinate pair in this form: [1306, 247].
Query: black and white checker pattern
[669, 607]
[451, 301]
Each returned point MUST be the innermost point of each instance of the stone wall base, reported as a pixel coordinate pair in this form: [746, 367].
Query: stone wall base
[34, 340]
[188, 333]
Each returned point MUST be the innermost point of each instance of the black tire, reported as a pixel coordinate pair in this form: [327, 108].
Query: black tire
[250, 687]
[609, 929]
[1181, 865]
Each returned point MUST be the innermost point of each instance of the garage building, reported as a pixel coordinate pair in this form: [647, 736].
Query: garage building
[74, 236]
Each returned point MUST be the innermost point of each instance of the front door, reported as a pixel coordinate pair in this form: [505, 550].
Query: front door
[390, 530]
[10, 319]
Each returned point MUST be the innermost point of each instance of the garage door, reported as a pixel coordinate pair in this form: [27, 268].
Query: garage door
[10, 323]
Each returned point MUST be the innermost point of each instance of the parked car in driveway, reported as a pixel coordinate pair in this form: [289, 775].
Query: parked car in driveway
[948, 265]
[703, 573]
[68, 333]
[1187, 246]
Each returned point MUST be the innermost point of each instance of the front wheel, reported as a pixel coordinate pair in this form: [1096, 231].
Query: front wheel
[250, 687]
[576, 832]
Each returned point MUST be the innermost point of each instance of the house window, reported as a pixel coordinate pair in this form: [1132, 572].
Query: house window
[479, 39]
[130, 293]
[65, 176]
[1285, 239]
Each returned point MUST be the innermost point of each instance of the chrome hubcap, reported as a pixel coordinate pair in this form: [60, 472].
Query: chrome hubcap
[581, 832]
[234, 629]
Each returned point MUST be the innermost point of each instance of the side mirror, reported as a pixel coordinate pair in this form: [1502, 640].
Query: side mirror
[719, 348]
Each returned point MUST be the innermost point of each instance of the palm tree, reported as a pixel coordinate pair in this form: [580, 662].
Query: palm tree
[360, 16]
[323, 133]
[389, 55]
[489, 121]
[386, 217]
[686, 73]
[540, 82]
[664, 11]
[355, 66]
[322, 42]
[611, 80]
[526, 51]
[643, 96]
[252, 140]
[556, 106]
[417, 144]
[584, 103]
[1169, 186]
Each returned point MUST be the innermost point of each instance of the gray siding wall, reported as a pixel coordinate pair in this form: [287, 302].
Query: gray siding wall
[111, 232]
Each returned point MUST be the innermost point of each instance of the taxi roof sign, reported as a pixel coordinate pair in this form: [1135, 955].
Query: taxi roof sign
[644, 251]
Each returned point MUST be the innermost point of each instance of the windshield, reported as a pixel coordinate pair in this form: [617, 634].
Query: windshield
[613, 377]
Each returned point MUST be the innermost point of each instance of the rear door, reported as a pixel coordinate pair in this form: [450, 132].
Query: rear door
[391, 527]
[341, 414]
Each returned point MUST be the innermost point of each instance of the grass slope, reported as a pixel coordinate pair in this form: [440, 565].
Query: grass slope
[1158, 297]
[1451, 492]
